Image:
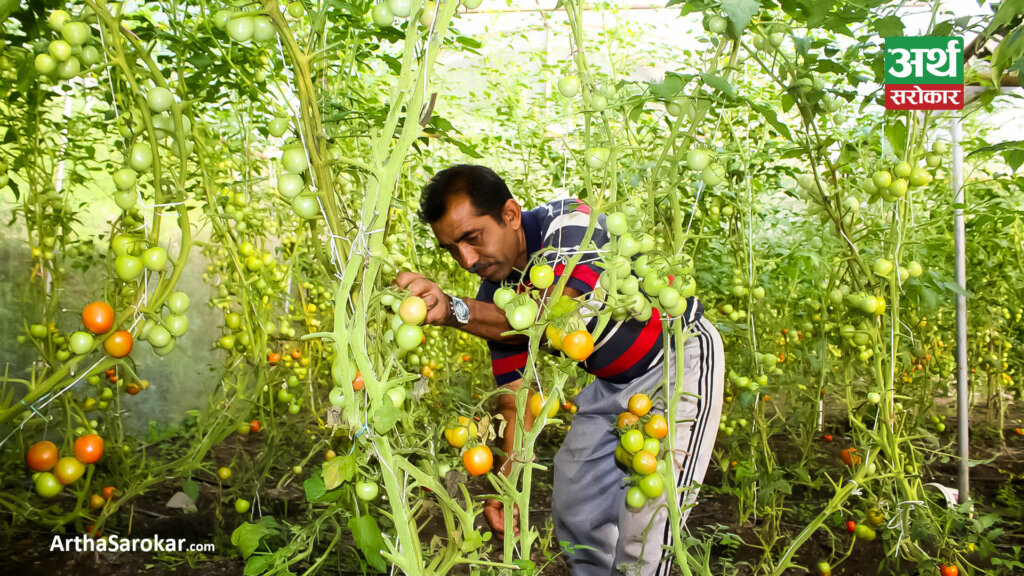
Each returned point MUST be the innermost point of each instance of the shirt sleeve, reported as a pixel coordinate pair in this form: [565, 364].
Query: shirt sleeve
[565, 234]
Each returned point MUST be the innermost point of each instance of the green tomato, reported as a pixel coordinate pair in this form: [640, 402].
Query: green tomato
[59, 50]
[408, 337]
[240, 28]
[542, 276]
[713, 174]
[382, 15]
[883, 267]
[717, 24]
[140, 157]
[125, 199]
[57, 19]
[296, 10]
[263, 29]
[47, 485]
[75, 33]
[294, 159]
[915, 269]
[616, 224]
[279, 126]
[697, 159]
[177, 324]
[569, 86]
[337, 397]
[652, 485]
[159, 99]
[882, 179]
[523, 316]
[502, 296]
[920, 177]
[242, 506]
[158, 336]
[366, 491]
[400, 8]
[471, 4]
[125, 179]
[128, 267]
[45, 64]
[397, 396]
[306, 206]
[38, 331]
[597, 158]
[652, 445]
[155, 258]
[627, 245]
[635, 498]
[632, 441]
[864, 532]
[81, 342]
[902, 169]
[668, 297]
[294, 408]
[898, 187]
[178, 302]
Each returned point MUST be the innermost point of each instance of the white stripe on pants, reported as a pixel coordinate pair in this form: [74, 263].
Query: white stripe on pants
[589, 499]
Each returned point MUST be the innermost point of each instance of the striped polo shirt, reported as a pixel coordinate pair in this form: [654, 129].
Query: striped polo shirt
[625, 349]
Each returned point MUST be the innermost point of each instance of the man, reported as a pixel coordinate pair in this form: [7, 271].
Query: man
[475, 218]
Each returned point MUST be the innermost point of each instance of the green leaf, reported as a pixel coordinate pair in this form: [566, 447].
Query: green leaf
[1009, 144]
[315, 488]
[191, 489]
[739, 13]
[718, 83]
[668, 88]
[368, 539]
[338, 471]
[771, 117]
[259, 564]
[385, 417]
[247, 536]
[896, 134]
[889, 26]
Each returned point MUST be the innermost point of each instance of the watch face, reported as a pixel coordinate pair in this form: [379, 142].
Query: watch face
[460, 310]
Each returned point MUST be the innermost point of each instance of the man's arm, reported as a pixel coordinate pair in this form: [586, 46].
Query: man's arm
[486, 319]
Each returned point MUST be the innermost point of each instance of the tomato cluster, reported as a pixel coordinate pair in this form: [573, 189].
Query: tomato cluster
[640, 451]
[53, 472]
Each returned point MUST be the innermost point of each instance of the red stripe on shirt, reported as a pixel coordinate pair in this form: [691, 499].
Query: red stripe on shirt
[581, 207]
[643, 344]
[504, 365]
[581, 272]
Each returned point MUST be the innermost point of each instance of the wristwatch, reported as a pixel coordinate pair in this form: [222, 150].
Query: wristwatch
[459, 310]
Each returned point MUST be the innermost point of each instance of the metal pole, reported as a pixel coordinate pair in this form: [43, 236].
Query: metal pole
[963, 423]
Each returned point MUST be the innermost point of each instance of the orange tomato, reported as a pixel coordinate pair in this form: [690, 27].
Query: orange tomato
[41, 456]
[89, 448]
[296, 353]
[578, 345]
[273, 357]
[119, 344]
[639, 404]
[626, 419]
[108, 492]
[478, 461]
[358, 383]
[656, 427]
[98, 317]
[849, 457]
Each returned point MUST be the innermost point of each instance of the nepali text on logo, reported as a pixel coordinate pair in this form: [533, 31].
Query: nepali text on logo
[924, 73]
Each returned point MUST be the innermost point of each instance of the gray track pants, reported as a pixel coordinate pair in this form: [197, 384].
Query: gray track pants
[589, 499]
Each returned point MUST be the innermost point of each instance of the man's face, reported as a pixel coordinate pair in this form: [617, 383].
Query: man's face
[479, 243]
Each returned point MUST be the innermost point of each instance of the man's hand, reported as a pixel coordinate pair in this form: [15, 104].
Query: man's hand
[438, 308]
[494, 513]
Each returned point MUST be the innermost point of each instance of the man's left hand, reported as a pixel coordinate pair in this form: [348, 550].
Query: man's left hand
[438, 309]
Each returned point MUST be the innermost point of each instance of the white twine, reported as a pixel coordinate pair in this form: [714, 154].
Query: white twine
[900, 521]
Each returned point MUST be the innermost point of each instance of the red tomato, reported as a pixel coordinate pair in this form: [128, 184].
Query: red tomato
[108, 492]
[945, 570]
[273, 357]
[254, 426]
[132, 388]
[119, 344]
[89, 448]
[851, 526]
[478, 460]
[98, 317]
[827, 437]
[41, 456]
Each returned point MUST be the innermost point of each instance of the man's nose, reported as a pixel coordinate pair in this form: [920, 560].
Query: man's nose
[467, 256]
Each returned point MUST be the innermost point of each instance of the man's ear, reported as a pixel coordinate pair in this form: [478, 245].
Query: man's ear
[512, 214]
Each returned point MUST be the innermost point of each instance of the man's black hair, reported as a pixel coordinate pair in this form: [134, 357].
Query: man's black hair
[485, 189]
